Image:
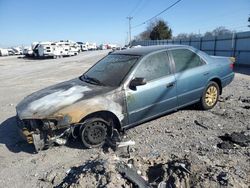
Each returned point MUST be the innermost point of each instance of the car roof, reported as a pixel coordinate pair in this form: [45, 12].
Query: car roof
[144, 50]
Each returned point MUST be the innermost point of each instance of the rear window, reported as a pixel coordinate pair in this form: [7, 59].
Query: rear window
[185, 59]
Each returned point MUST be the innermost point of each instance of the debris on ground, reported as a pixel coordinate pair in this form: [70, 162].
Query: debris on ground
[95, 173]
[231, 140]
[200, 124]
[244, 99]
[222, 178]
[112, 141]
[246, 107]
[127, 143]
[174, 173]
[110, 171]
[130, 173]
[223, 99]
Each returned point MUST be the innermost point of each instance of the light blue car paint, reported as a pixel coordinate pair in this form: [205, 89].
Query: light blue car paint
[155, 99]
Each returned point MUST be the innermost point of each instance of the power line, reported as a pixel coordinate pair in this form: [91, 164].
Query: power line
[157, 14]
[134, 9]
[143, 5]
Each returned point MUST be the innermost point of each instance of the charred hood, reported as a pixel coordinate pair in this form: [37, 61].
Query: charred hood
[47, 101]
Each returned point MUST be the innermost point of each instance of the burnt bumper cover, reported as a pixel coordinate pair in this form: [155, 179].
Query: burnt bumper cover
[42, 133]
[23, 131]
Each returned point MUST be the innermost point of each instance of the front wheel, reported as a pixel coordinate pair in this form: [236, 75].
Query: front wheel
[94, 132]
[210, 96]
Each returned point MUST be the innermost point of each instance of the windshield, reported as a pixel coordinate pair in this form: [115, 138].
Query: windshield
[111, 70]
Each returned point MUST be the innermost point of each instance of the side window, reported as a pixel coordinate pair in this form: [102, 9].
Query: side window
[185, 59]
[154, 66]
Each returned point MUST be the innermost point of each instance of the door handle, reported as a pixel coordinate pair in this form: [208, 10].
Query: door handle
[171, 84]
[206, 73]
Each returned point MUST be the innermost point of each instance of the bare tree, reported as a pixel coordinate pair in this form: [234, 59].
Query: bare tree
[218, 32]
[182, 36]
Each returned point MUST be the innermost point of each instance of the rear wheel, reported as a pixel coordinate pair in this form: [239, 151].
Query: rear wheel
[94, 132]
[210, 96]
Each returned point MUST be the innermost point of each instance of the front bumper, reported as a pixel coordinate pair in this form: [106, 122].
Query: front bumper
[24, 132]
[41, 133]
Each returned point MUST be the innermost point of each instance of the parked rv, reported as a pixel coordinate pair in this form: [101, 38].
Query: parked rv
[92, 46]
[70, 48]
[104, 46]
[28, 52]
[85, 46]
[17, 50]
[11, 51]
[4, 52]
[52, 49]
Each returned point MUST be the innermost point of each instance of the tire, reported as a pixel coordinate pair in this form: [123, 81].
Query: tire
[210, 96]
[93, 132]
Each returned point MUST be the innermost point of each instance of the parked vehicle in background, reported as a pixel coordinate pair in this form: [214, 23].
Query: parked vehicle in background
[80, 45]
[85, 47]
[104, 46]
[92, 46]
[112, 46]
[74, 49]
[17, 50]
[149, 82]
[48, 49]
[53, 49]
[11, 51]
[4, 52]
[28, 52]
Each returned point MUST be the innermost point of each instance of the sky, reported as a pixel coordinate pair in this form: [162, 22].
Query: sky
[25, 21]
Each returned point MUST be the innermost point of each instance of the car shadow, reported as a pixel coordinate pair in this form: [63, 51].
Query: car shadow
[10, 137]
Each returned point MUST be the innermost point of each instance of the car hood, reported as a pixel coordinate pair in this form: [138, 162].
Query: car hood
[46, 102]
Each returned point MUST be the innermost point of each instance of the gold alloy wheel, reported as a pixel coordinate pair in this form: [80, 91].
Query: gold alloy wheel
[211, 96]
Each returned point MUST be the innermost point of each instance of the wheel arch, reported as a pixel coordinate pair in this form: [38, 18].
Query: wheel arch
[218, 81]
[106, 115]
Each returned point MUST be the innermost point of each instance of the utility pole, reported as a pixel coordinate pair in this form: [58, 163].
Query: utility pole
[249, 21]
[129, 27]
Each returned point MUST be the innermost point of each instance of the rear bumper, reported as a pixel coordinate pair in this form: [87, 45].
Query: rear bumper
[227, 80]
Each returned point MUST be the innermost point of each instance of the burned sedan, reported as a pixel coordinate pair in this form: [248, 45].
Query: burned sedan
[123, 89]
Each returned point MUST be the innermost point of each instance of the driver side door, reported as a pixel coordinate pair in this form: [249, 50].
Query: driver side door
[158, 95]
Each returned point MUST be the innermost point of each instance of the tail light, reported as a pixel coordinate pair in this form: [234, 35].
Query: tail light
[231, 65]
[232, 59]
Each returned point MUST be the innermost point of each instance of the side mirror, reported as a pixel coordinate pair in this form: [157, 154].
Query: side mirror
[137, 82]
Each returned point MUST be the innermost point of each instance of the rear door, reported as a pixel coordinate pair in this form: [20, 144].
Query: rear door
[159, 93]
[191, 74]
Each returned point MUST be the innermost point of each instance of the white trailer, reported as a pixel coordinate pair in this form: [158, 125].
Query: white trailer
[57, 49]
[70, 48]
[46, 49]
[27, 51]
[85, 46]
[4, 52]
[17, 50]
[92, 46]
